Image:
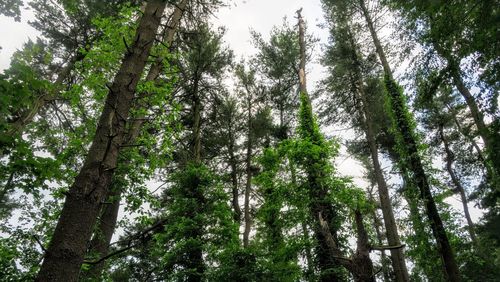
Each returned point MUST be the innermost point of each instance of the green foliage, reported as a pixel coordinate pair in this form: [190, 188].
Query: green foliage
[198, 221]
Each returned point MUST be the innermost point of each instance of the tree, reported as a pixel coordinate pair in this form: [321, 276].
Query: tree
[68, 245]
[408, 147]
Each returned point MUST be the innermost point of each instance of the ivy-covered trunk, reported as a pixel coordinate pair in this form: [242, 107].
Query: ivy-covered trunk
[68, 246]
[397, 255]
[410, 151]
[319, 203]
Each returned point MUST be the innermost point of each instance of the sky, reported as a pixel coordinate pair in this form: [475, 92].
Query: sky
[238, 18]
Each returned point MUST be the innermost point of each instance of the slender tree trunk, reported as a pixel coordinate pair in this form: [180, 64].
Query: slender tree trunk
[67, 248]
[397, 255]
[450, 158]
[106, 226]
[196, 125]
[469, 138]
[414, 162]
[18, 125]
[380, 241]
[491, 138]
[234, 182]
[248, 162]
[362, 264]
[195, 262]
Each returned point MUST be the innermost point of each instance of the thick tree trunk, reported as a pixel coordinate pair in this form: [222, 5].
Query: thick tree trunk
[67, 248]
[248, 163]
[105, 229]
[450, 159]
[99, 245]
[414, 162]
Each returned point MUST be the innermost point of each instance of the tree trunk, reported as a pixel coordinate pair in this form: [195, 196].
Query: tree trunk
[234, 182]
[99, 245]
[105, 229]
[67, 248]
[320, 207]
[380, 241]
[450, 158]
[362, 264]
[397, 255]
[248, 162]
[414, 162]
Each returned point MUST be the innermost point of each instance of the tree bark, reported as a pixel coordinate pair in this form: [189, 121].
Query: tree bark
[234, 181]
[414, 161]
[248, 163]
[67, 248]
[109, 215]
[450, 159]
[380, 241]
[363, 265]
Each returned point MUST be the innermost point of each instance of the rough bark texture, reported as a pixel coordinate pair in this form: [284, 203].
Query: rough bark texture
[413, 158]
[450, 159]
[67, 248]
[99, 245]
[106, 226]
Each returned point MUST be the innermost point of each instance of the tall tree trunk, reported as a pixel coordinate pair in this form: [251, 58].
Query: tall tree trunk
[414, 162]
[397, 255]
[248, 163]
[234, 181]
[450, 159]
[322, 211]
[196, 125]
[67, 248]
[106, 226]
[491, 138]
[195, 262]
[380, 241]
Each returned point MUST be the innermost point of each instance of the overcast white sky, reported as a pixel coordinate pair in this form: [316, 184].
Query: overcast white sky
[238, 18]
